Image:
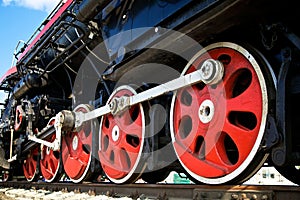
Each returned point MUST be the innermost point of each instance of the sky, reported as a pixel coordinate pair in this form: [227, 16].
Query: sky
[18, 21]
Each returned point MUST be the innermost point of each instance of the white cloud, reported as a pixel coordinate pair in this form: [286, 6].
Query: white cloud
[44, 5]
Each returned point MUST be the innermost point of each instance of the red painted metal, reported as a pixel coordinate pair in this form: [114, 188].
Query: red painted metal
[19, 118]
[9, 72]
[76, 150]
[219, 147]
[121, 140]
[30, 164]
[50, 162]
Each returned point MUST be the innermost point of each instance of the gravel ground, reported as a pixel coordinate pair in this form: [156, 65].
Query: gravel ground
[3, 196]
[22, 194]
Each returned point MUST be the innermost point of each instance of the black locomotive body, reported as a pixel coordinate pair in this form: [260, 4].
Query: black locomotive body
[137, 89]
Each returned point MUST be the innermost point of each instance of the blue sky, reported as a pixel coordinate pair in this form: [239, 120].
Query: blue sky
[18, 21]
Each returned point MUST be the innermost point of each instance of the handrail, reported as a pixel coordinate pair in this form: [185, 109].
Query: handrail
[38, 33]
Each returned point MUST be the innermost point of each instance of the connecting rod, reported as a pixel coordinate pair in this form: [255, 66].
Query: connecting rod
[210, 73]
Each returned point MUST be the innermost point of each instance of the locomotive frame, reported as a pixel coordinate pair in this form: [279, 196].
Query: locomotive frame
[94, 56]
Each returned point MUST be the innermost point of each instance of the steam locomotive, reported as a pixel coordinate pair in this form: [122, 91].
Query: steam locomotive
[130, 89]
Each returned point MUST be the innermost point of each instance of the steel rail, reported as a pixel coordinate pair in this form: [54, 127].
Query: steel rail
[169, 191]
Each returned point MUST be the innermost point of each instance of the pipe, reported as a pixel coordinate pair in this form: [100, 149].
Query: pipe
[89, 8]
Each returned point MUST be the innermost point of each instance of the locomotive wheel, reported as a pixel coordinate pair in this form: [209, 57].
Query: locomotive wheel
[19, 118]
[217, 130]
[31, 165]
[121, 141]
[50, 162]
[5, 176]
[77, 150]
[290, 172]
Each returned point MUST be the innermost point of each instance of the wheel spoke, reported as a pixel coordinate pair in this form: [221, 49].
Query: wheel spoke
[211, 168]
[188, 98]
[73, 168]
[30, 165]
[187, 123]
[50, 160]
[85, 136]
[246, 102]
[243, 139]
[131, 143]
[129, 124]
[121, 160]
[49, 169]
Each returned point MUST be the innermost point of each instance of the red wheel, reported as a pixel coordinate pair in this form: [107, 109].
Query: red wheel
[77, 150]
[5, 175]
[50, 162]
[19, 118]
[217, 130]
[122, 140]
[30, 165]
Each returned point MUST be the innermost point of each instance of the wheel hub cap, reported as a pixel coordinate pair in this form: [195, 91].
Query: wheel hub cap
[115, 134]
[75, 143]
[48, 151]
[206, 111]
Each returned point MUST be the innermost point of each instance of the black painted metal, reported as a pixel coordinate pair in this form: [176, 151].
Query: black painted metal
[282, 152]
[89, 8]
[43, 135]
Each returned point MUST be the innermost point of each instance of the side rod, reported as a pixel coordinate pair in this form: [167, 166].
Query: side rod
[210, 72]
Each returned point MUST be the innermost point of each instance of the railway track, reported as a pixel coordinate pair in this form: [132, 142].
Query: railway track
[135, 90]
[168, 191]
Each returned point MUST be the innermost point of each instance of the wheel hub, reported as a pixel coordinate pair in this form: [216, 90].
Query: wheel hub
[206, 111]
[48, 151]
[75, 143]
[115, 134]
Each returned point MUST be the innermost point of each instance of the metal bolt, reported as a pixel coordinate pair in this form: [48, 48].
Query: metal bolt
[211, 71]
[113, 105]
[207, 68]
[254, 197]
[244, 196]
[264, 197]
[234, 196]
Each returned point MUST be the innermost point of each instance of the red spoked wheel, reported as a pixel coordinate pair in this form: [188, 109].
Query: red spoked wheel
[217, 130]
[122, 141]
[31, 165]
[77, 150]
[5, 175]
[19, 118]
[50, 162]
